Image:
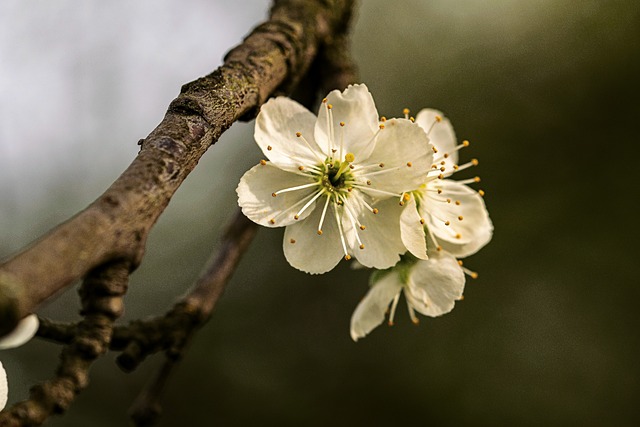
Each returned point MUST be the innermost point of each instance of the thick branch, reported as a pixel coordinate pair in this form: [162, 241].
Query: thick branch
[115, 227]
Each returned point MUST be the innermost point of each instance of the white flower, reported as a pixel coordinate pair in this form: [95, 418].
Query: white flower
[430, 287]
[22, 333]
[335, 181]
[449, 212]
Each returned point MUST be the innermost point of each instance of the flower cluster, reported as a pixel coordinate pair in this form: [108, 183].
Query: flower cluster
[349, 184]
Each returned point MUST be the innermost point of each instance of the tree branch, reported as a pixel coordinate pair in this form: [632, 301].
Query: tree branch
[115, 227]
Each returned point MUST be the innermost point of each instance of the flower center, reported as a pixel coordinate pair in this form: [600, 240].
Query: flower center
[336, 176]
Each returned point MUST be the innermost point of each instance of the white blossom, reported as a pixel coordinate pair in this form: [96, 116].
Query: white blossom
[23, 332]
[336, 181]
[430, 287]
[447, 211]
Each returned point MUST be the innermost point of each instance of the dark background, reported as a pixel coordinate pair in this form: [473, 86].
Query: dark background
[548, 94]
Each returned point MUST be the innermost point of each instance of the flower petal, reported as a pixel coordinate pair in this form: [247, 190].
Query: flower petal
[371, 310]
[381, 236]
[435, 285]
[354, 107]
[23, 332]
[257, 202]
[4, 387]
[276, 126]
[440, 133]
[412, 230]
[404, 151]
[308, 251]
[462, 237]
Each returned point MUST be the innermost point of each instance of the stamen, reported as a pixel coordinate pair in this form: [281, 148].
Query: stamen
[344, 244]
[393, 308]
[412, 313]
[354, 223]
[263, 162]
[406, 113]
[299, 135]
[470, 273]
[341, 140]
[473, 162]
[304, 208]
[481, 193]
[375, 190]
[324, 212]
[298, 187]
[330, 129]
[469, 181]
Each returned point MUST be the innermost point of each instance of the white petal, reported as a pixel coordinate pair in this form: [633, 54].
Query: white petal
[257, 202]
[4, 387]
[412, 230]
[403, 149]
[276, 126]
[475, 228]
[310, 252]
[441, 135]
[23, 332]
[371, 310]
[435, 285]
[354, 107]
[381, 236]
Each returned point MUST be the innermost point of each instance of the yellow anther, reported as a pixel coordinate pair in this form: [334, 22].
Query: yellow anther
[415, 320]
[351, 167]
[375, 211]
[381, 126]
[347, 257]
[439, 190]
[368, 182]
[434, 166]
[435, 150]
[263, 162]
[329, 106]
[362, 227]
[460, 218]
[446, 155]
[412, 119]
[458, 236]
[300, 168]
[298, 134]
[458, 202]
[361, 246]
[476, 179]
[439, 248]
[421, 220]
[481, 192]
[474, 162]
[442, 169]
[383, 119]
[440, 176]
[405, 111]
[443, 163]
[460, 262]
[456, 167]
[342, 124]
[292, 241]
[349, 157]
[273, 194]
[466, 143]
[474, 275]
[272, 221]
[438, 119]
[406, 197]
[319, 232]
[324, 100]
[296, 217]
[448, 200]
[447, 223]
[350, 189]
[269, 147]
[381, 165]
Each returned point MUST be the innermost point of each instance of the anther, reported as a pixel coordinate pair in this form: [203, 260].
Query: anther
[405, 111]
[474, 275]
[435, 150]
[421, 220]
[324, 100]
[269, 147]
[383, 119]
[460, 218]
[442, 169]
[474, 162]
[263, 162]
[273, 194]
[409, 164]
[351, 167]
[446, 155]
[300, 168]
[476, 179]
[481, 193]
[412, 119]
[438, 248]
[375, 211]
[347, 257]
[458, 236]
[350, 189]
[381, 165]
[272, 221]
[298, 134]
[296, 217]
[440, 176]
[381, 126]
[457, 202]
[456, 167]
[319, 232]
[342, 124]
[438, 119]
[368, 182]
[292, 241]
[466, 143]
[361, 246]
[448, 200]
[406, 197]
[443, 163]
[329, 106]
[439, 190]
[447, 223]
[362, 227]
[460, 262]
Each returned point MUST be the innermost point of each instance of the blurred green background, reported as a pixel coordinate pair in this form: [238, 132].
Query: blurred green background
[548, 92]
